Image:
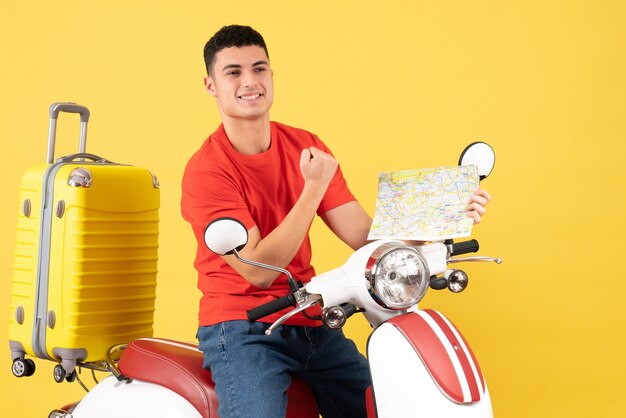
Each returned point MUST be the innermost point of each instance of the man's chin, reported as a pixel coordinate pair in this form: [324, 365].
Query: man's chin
[250, 116]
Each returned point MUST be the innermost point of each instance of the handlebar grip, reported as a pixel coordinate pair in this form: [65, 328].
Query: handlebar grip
[465, 247]
[271, 307]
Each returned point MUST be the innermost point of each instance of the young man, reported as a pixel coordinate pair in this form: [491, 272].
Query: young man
[274, 179]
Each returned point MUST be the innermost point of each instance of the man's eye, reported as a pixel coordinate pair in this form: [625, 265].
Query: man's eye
[232, 73]
[260, 69]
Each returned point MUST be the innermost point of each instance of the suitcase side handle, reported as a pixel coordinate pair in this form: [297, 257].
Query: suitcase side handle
[55, 109]
[83, 155]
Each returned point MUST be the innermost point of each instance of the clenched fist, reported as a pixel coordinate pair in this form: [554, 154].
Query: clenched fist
[317, 168]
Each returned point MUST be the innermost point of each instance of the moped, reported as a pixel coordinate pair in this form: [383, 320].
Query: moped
[420, 364]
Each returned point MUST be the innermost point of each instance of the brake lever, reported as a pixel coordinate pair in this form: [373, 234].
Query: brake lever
[312, 301]
[475, 259]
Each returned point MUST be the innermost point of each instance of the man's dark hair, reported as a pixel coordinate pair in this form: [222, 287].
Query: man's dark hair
[228, 36]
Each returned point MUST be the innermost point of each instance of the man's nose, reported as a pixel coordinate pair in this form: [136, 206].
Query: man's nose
[249, 79]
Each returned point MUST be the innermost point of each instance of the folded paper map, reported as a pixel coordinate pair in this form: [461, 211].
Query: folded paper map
[424, 205]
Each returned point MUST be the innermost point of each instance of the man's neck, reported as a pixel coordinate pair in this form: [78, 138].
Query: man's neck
[249, 137]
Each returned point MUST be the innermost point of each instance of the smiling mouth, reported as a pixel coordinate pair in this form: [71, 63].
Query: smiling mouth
[251, 96]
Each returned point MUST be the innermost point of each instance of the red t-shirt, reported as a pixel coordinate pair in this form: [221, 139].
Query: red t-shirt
[257, 190]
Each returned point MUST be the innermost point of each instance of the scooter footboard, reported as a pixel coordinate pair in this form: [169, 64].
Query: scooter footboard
[422, 366]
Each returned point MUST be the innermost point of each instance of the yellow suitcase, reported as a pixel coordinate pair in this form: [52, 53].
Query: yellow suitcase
[84, 274]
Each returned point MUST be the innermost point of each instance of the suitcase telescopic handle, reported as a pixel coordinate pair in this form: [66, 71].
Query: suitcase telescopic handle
[55, 109]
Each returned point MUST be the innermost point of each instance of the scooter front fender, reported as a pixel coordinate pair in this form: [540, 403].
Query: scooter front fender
[421, 366]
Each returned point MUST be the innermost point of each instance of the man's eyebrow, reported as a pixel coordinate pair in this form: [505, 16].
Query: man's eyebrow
[229, 66]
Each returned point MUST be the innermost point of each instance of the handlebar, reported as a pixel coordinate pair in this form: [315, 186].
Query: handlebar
[464, 247]
[271, 307]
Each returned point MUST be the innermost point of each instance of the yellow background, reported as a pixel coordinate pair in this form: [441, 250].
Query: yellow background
[388, 85]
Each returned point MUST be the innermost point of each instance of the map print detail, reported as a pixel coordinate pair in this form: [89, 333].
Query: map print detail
[424, 205]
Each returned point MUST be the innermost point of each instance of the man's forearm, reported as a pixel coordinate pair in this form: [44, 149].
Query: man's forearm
[280, 246]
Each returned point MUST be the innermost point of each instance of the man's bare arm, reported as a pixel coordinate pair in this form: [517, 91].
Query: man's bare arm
[280, 246]
[350, 223]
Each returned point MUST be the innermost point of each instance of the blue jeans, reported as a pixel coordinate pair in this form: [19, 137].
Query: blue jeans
[252, 371]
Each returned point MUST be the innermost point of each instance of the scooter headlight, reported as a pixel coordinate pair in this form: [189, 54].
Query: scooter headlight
[398, 275]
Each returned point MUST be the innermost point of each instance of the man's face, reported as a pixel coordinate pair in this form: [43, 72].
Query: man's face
[241, 82]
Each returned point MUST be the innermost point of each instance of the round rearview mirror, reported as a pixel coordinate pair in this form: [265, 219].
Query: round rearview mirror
[481, 155]
[224, 235]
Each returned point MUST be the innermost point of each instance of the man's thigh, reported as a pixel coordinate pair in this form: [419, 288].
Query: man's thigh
[251, 375]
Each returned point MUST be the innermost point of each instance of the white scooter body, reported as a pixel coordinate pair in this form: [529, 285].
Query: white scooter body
[420, 364]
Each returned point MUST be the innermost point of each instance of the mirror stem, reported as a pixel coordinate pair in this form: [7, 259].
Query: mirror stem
[292, 283]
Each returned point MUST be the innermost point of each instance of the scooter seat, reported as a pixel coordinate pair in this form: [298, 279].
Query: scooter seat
[175, 365]
[178, 366]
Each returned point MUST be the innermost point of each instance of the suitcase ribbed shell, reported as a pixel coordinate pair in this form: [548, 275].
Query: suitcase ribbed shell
[84, 275]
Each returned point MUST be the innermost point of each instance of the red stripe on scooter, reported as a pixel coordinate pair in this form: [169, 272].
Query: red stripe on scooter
[432, 352]
[480, 373]
[475, 391]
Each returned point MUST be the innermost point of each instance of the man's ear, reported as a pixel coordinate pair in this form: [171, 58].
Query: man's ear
[209, 85]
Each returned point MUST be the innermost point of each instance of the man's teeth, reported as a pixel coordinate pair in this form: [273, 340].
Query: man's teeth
[252, 97]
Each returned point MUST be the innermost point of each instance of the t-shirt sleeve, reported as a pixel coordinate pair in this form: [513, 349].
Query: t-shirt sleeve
[209, 194]
[338, 192]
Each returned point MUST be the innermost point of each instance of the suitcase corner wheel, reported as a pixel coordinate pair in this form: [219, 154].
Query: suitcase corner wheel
[23, 367]
[60, 374]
